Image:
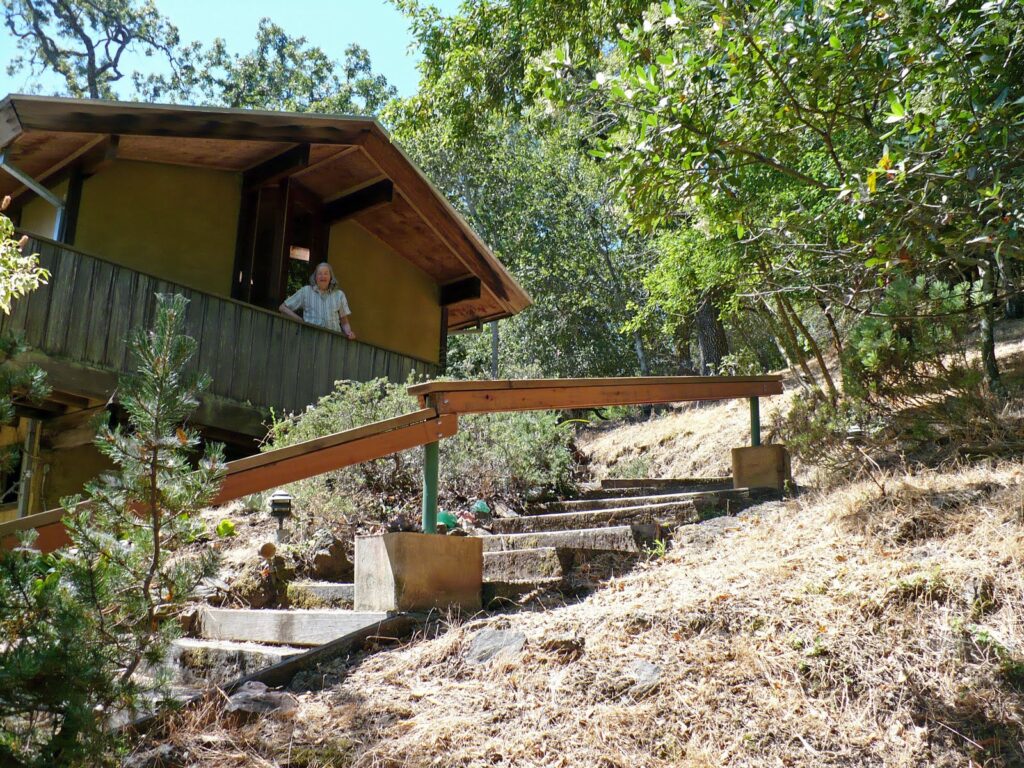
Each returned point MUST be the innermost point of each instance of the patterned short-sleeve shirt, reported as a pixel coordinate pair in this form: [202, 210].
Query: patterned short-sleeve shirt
[323, 309]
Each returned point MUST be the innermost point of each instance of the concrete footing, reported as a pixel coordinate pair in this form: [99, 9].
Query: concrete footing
[761, 466]
[417, 572]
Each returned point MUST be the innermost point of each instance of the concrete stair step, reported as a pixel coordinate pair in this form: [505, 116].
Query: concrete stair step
[514, 571]
[672, 513]
[524, 566]
[696, 483]
[283, 627]
[619, 502]
[196, 662]
[646, 487]
[321, 594]
[621, 538]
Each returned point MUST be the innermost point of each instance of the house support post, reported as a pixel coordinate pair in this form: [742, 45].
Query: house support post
[28, 461]
[755, 422]
[431, 460]
[39, 189]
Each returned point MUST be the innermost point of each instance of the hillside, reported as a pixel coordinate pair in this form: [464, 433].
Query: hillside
[870, 625]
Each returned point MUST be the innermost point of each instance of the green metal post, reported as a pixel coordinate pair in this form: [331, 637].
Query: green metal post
[755, 421]
[430, 470]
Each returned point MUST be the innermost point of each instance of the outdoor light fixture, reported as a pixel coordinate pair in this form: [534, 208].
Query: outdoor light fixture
[281, 509]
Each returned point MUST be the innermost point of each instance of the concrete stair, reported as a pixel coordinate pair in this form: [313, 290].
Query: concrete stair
[575, 544]
[321, 594]
[298, 627]
[199, 662]
[631, 539]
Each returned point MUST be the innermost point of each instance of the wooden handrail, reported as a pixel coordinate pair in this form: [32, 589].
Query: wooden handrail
[443, 401]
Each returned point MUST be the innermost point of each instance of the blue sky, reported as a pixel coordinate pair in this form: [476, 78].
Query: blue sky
[330, 24]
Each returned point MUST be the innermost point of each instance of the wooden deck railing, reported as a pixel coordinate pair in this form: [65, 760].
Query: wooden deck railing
[254, 356]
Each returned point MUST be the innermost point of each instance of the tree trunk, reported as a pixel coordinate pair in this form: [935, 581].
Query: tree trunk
[988, 336]
[681, 339]
[1013, 308]
[833, 393]
[711, 341]
[794, 343]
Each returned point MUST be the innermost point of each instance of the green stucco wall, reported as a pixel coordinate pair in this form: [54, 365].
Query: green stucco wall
[38, 216]
[394, 304]
[172, 221]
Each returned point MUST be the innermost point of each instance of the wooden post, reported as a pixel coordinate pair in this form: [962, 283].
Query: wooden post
[431, 460]
[755, 421]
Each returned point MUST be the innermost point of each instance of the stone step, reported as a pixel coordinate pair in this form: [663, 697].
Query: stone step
[552, 567]
[197, 662]
[524, 566]
[283, 627]
[321, 594]
[621, 538]
[665, 482]
[634, 487]
[620, 502]
[670, 514]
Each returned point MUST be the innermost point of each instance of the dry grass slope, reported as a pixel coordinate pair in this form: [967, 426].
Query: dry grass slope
[848, 629]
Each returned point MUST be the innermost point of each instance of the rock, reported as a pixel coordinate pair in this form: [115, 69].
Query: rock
[488, 643]
[643, 676]
[330, 561]
[162, 756]
[253, 700]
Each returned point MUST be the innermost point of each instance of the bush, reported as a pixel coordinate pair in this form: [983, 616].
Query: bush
[912, 393]
[502, 456]
[79, 626]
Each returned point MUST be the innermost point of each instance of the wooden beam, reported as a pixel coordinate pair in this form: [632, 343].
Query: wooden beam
[95, 116]
[366, 199]
[244, 478]
[274, 169]
[545, 394]
[71, 430]
[88, 159]
[303, 196]
[461, 290]
[446, 223]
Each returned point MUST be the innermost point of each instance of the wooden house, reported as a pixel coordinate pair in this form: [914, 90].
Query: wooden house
[233, 209]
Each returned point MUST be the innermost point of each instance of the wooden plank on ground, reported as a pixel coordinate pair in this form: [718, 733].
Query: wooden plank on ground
[299, 467]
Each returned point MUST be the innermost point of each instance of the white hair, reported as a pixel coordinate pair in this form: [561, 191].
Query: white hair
[333, 285]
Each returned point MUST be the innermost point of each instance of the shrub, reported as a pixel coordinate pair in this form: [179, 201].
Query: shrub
[911, 390]
[79, 625]
[503, 456]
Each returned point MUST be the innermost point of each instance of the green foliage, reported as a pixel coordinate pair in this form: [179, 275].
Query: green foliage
[137, 516]
[225, 528]
[912, 345]
[80, 624]
[20, 273]
[495, 456]
[83, 41]
[281, 73]
[51, 676]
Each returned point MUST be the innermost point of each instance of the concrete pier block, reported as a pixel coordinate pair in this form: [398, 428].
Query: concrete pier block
[417, 572]
[761, 466]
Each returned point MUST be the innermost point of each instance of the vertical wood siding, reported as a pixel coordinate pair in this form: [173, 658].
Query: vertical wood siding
[91, 306]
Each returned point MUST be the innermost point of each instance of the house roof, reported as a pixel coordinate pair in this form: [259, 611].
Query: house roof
[329, 158]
